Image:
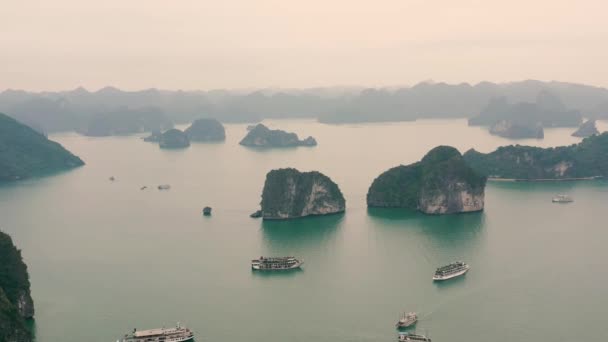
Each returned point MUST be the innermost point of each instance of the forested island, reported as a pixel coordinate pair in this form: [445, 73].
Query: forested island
[173, 138]
[16, 304]
[289, 193]
[94, 112]
[126, 121]
[587, 159]
[441, 183]
[26, 153]
[206, 130]
[262, 136]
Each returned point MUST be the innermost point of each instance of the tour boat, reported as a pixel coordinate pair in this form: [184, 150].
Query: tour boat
[407, 337]
[407, 320]
[177, 334]
[450, 271]
[275, 264]
[561, 198]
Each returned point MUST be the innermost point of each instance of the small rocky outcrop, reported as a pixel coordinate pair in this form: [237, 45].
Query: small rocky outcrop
[174, 138]
[441, 183]
[262, 136]
[154, 136]
[206, 130]
[289, 193]
[513, 130]
[587, 129]
[16, 304]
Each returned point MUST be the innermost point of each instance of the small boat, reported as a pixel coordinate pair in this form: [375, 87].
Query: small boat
[407, 337]
[143, 188]
[164, 187]
[112, 178]
[561, 198]
[407, 320]
[275, 264]
[450, 271]
[177, 334]
[207, 211]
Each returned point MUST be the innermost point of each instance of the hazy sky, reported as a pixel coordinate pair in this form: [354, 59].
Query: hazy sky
[203, 44]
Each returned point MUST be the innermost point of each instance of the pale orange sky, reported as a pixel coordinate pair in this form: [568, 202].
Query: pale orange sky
[201, 44]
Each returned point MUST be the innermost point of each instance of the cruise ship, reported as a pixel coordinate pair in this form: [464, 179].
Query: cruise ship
[275, 264]
[562, 199]
[177, 334]
[407, 320]
[450, 271]
[407, 337]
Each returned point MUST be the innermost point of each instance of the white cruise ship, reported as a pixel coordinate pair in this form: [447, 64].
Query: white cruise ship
[177, 334]
[450, 271]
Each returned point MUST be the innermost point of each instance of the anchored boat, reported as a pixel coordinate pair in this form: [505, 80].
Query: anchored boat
[450, 271]
[275, 264]
[407, 337]
[561, 198]
[177, 334]
[407, 320]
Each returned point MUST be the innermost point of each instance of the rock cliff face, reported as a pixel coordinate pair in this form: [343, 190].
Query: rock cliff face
[262, 136]
[587, 129]
[174, 138]
[508, 129]
[289, 193]
[26, 153]
[16, 303]
[206, 130]
[441, 183]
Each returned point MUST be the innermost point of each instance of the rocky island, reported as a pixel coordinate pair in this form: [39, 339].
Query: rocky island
[585, 160]
[514, 130]
[441, 183]
[126, 121]
[548, 110]
[587, 129]
[289, 193]
[206, 130]
[174, 138]
[25, 152]
[262, 136]
[16, 304]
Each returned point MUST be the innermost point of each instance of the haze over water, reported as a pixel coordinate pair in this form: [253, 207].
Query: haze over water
[106, 257]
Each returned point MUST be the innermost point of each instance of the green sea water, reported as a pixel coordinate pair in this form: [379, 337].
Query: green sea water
[105, 257]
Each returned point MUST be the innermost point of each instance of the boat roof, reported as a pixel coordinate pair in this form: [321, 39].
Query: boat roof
[154, 332]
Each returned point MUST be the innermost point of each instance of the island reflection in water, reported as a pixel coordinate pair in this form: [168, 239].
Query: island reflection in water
[281, 236]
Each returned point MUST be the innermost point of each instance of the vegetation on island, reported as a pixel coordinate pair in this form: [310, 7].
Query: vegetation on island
[547, 111]
[206, 130]
[440, 183]
[72, 110]
[25, 152]
[289, 193]
[16, 304]
[174, 138]
[124, 121]
[262, 136]
[589, 158]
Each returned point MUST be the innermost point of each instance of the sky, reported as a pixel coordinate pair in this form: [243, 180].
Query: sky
[236, 44]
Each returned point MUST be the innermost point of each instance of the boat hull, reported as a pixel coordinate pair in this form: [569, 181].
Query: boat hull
[179, 339]
[293, 267]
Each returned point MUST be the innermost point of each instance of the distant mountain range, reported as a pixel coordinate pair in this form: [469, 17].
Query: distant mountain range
[101, 112]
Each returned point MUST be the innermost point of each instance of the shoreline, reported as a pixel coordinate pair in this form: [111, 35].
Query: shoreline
[498, 179]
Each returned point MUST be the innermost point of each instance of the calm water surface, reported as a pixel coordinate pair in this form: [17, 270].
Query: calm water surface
[105, 257]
